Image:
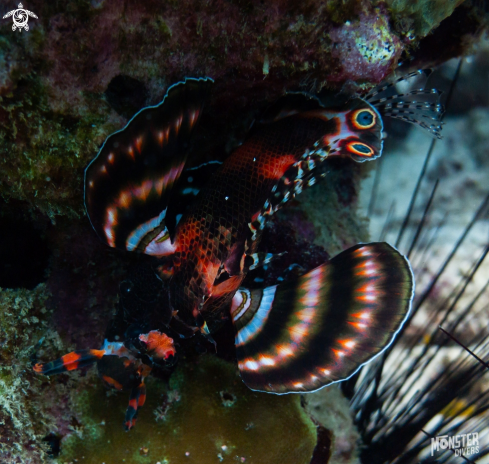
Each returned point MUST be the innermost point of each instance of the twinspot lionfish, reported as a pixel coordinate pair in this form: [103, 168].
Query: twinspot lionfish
[298, 336]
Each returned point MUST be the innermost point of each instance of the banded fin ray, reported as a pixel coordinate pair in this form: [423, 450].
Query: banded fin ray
[321, 328]
[137, 399]
[354, 130]
[420, 107]
[128, 186]
[383, 86]
[301, 175]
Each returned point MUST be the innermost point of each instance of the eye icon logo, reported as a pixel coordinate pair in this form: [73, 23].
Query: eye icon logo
[20, 18]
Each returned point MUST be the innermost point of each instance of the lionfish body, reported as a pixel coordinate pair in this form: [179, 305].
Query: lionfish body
[222, 229]
[297, 336]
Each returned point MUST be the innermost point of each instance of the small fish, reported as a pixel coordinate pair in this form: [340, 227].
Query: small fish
[204, 224]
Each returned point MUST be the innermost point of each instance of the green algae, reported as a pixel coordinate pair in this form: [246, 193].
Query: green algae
[199, 427]
[23, 413]
[421, 16]
[45, 151]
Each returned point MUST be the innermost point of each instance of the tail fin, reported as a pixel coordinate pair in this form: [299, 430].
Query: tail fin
[118, 368]
[320, 329]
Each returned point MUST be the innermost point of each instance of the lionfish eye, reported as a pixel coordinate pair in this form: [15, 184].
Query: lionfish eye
[360, 149]
[364, 119]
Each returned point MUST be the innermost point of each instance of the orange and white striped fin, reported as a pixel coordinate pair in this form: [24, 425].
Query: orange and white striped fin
[129, 183]
[321, 328]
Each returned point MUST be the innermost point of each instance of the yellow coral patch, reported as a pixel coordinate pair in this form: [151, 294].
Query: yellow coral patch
[198, 428]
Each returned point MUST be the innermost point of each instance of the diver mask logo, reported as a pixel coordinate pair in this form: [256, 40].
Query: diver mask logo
[465, 444]
[20, 18]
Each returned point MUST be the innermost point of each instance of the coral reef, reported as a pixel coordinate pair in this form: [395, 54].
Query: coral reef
[69, 309]
[197, 426]
[365, 47]
[73, 306]
[331, 410]
[78, 74]
[83, 68]
[22, 422]
[421, 17]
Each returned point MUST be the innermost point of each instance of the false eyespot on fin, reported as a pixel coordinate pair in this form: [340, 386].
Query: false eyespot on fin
[360, 137]
[322, 327]
[128, 185]
[355, 128]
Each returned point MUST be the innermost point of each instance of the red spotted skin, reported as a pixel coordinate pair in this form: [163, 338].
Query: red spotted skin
[215, 234]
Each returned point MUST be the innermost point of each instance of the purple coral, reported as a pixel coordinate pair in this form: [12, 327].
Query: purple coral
[366, 48]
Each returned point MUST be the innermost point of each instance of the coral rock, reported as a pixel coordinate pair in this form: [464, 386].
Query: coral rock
[84, 67]
[197, 427]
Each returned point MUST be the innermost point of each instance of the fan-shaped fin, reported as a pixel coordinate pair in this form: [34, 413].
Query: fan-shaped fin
[128, 186]
[321, 328]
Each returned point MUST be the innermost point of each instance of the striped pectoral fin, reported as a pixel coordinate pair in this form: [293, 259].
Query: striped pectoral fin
[129, 184]
[69, 362]
[322, 327]
[137, 399]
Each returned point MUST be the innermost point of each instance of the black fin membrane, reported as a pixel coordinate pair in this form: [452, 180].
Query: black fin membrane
[320, 329]
[128, 185]
[192, 180]
[291, 103]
